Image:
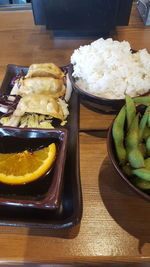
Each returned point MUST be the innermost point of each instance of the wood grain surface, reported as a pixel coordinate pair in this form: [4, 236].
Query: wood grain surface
[115, 227]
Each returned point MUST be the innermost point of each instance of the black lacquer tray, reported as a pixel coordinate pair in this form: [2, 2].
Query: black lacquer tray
[70, 211]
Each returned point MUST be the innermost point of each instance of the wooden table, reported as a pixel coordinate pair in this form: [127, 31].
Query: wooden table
[115, 227]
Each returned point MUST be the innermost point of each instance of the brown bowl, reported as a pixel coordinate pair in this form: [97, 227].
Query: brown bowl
[45, 192]
[99, 104]
[114, 160]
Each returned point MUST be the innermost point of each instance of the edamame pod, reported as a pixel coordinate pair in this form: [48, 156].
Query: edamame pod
[130, 109]
[146, 133]
[144, 185]
[148, 145]
[118, 135]
[148, 120]
[143, 122]
[132, 138]
[144, 100]
[142, 173]
[147, 163]
[142, 148]
[136, 158]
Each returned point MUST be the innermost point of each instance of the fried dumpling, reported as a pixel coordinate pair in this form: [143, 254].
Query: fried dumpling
[40, 85]
[41, 104]
[45, 70]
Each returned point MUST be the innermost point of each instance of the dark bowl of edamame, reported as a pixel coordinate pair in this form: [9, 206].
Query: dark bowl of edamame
[128, 144]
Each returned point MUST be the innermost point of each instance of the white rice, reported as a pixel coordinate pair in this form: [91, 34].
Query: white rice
[109, 69]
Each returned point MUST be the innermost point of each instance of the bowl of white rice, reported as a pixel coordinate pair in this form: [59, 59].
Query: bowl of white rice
[104, 71]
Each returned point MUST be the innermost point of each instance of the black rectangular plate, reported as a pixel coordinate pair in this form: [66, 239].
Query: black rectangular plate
[70, 211]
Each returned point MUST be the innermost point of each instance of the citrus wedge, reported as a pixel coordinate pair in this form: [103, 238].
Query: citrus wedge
[25, 167]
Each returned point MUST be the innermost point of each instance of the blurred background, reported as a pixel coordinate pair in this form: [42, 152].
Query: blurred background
[76, 18]
[6, 2]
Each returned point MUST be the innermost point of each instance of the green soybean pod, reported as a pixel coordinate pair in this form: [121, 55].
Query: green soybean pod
[148, 123]
[136, 158]
[142, 148]
[132, 138]
[144, 100]
[147, 163]
[148, 145]
[140, 183]
[118, 135]
[143, 123]
[142, 173]
[130, 110]
[146, 133]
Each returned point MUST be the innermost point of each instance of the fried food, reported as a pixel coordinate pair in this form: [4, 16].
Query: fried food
[44, 70]
[41, 104]
[40, 85]
[44, 93]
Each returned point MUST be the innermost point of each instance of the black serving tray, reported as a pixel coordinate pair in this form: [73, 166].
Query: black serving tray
[70, 211]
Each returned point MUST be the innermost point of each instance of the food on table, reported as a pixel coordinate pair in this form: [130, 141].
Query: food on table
[142, 100]
[39, 85]
[45, 70]
[42, 104]
[131, 135]
[26, 166]
[110, 69]
[118, 134]
[44, 78]
[130, 109]
[34, 121]
[37, 104]
[44, 93]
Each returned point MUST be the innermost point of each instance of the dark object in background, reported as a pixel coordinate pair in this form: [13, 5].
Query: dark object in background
[86, 17]
[143, 7]
[10, 2]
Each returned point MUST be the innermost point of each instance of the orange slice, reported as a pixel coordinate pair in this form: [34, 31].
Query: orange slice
[25, 167]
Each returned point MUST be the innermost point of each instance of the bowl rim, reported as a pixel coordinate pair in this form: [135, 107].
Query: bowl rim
[112, 157]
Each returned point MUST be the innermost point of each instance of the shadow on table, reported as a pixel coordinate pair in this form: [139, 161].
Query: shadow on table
[67, 233]
[126, 207]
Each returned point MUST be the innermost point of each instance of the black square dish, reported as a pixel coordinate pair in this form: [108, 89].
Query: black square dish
[69, 212]
[45, 192]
